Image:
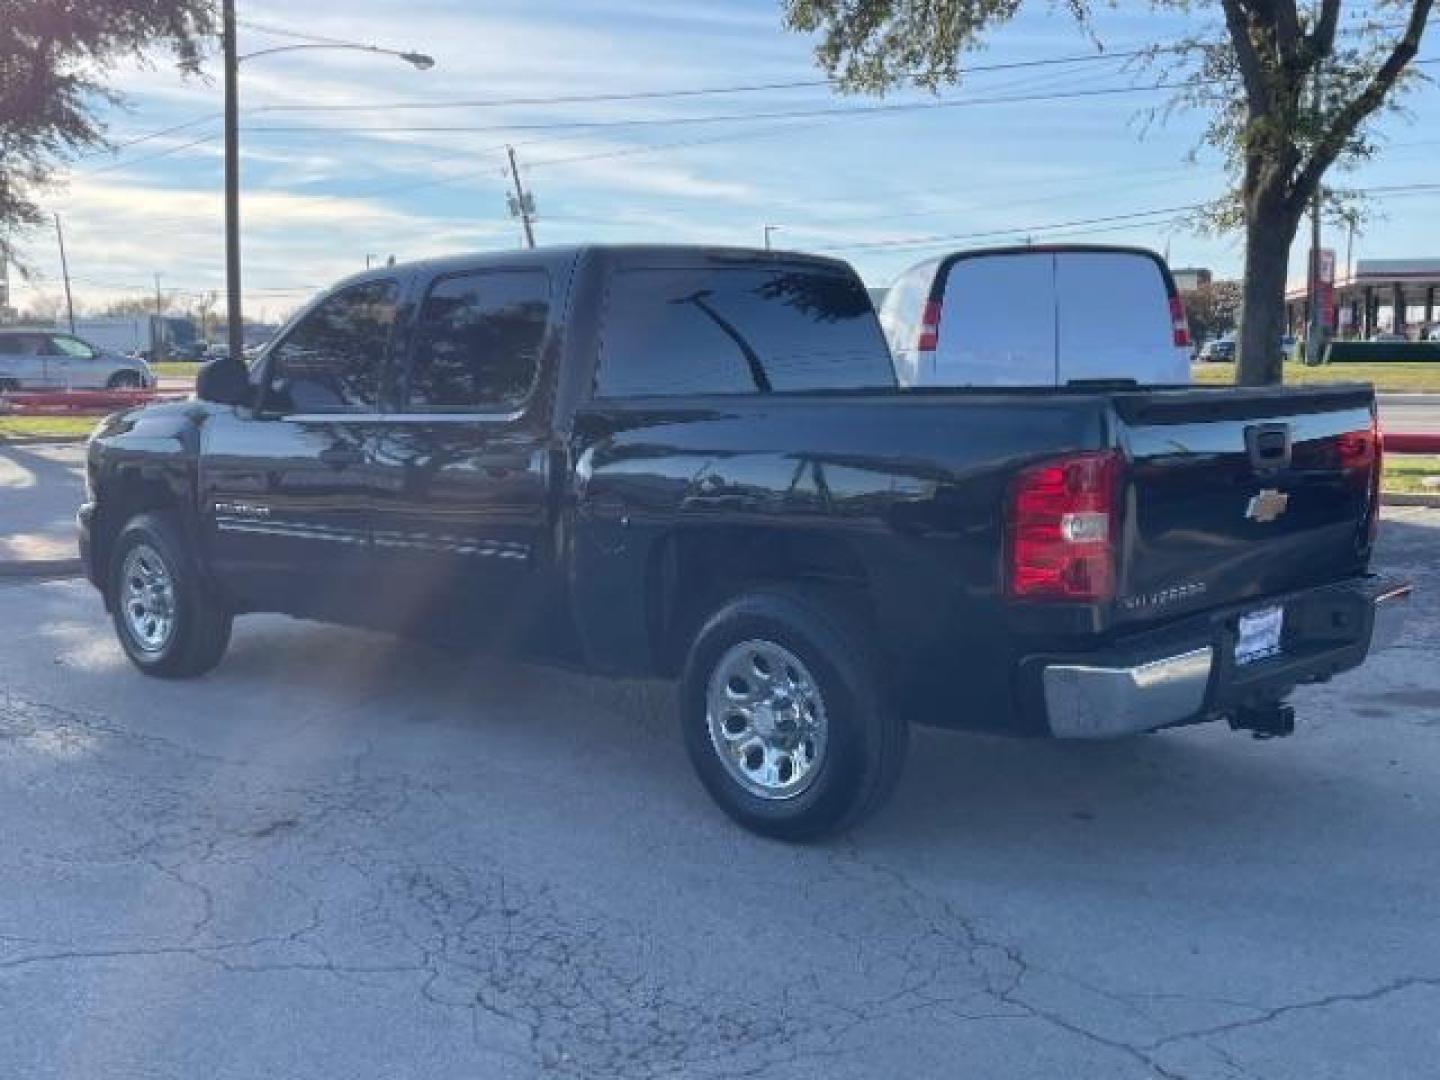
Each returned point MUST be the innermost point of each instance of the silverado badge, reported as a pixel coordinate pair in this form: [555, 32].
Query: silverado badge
[1268, 505]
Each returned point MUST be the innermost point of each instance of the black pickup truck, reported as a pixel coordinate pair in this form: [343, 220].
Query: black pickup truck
[694, 463]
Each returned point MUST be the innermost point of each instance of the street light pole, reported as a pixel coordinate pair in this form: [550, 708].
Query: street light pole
[236, 322]
[236, 333]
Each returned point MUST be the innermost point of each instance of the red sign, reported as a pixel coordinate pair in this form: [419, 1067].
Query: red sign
[1322, 273]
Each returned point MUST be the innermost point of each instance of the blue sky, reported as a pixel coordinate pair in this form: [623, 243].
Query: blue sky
[318, 198]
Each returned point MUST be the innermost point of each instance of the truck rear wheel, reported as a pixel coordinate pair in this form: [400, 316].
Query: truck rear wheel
[784, 716]
[168, 623]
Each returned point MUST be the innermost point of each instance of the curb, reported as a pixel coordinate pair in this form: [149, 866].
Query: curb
[41, 568]
[1407, 498]
[40, 440]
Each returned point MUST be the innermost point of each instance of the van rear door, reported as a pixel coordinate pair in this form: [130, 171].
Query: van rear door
[997, 322]
[1115, 319]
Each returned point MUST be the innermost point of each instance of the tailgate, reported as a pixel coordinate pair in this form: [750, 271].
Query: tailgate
[1237, 493]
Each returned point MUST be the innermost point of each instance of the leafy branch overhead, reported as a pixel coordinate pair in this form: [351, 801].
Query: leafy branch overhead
[1289, 94]
[55, 59]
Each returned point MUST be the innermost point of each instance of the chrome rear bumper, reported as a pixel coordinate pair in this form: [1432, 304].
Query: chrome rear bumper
[1101, 702]
[1096, 701]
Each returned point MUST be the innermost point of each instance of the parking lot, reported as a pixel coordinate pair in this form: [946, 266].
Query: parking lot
[342, 856]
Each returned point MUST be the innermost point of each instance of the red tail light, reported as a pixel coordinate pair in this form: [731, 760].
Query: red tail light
[929, 339]
[1179, 325]
[1377, 473]
[1362, 455]
[1356, 450]
[1063, 524]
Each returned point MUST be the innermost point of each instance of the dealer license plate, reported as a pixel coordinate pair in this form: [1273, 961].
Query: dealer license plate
[1259, 636]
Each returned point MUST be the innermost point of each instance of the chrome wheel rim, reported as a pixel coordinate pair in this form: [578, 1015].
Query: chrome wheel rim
[147, 598]
[767, 719]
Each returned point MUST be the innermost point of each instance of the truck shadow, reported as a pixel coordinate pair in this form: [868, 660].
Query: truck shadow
[1199, 793]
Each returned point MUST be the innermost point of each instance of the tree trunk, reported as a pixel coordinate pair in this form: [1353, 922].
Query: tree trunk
[1269, 232]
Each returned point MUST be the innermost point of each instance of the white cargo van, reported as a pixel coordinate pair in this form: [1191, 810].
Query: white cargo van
[1038, 316]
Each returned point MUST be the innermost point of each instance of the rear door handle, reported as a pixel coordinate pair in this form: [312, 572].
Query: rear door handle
[341, 456]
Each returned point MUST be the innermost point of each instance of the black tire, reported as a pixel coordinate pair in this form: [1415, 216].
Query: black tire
[125, 380]
[866, 737]
[200, 626]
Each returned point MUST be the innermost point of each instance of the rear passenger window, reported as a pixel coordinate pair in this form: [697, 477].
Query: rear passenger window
[741, 330]
[478, 341]
[333, 359]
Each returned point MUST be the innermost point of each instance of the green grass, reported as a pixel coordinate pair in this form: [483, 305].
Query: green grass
[1412, 377]
[15, 427]
[1404, 472]
[175, 367]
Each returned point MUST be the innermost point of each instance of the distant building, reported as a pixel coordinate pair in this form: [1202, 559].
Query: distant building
[1394, 295]
[1190, 278]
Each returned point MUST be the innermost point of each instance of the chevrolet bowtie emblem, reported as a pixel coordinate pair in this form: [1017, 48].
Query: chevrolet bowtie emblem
[1268, 505]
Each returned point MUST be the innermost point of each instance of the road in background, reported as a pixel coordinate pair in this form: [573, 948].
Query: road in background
[341, 856]
[1411, 413]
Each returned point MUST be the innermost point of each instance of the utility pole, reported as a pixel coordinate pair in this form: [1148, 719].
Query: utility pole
[65, 273]
[157, 329]
[768, 230]
[522, 203]
[236, 321]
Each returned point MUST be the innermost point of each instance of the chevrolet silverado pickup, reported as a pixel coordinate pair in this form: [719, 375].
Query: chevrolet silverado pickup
[694, 463]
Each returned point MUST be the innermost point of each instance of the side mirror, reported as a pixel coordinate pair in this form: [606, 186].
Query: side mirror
[224, 382]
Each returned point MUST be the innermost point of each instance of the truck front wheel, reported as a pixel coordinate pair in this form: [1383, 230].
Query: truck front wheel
[168, 622]
[784, 716]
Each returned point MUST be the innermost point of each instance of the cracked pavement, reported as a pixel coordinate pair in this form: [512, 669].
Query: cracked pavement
[342, 856]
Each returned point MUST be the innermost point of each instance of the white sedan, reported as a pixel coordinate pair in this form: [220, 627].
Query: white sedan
[38, 359]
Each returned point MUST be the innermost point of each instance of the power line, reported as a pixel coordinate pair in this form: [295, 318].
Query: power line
[945, 238]
[655, 95]
[726, 118]
[129, 162]
[207, 118]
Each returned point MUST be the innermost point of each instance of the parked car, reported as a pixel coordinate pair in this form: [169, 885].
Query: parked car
[1038, 316]
[41, 359]
[695, 463]
[1218, 351]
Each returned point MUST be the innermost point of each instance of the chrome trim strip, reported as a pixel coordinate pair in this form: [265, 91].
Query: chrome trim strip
[1084, 702]
[1392, 608]
[404, 417]
[437, 543]
[294, 532]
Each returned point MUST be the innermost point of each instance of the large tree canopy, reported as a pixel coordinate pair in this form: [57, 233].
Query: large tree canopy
[55, 56]
[1257, 77]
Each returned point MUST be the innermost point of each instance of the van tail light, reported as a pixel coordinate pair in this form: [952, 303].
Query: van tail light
[1063, 527]
[1179, 325]
[929, 339]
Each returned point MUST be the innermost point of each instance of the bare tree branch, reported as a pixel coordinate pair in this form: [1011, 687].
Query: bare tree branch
[1238, 23]
[1331, 142]
[1322, 40]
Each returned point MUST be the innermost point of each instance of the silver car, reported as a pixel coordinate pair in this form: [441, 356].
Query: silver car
[49, 360]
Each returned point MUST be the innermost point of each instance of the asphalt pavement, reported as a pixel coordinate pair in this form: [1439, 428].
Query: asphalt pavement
[340, 856]
[40, 487]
